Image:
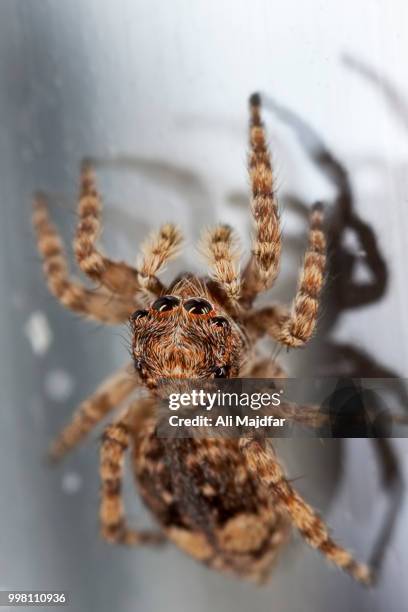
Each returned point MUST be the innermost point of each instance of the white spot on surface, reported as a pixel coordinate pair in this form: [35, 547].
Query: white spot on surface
[59, 385]
[71, 483]
[38, 332]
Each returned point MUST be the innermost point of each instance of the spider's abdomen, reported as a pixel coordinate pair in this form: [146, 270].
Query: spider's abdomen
[207, 502]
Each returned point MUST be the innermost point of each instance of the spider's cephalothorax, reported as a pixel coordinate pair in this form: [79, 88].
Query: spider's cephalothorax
[227, 502]
[186, 334]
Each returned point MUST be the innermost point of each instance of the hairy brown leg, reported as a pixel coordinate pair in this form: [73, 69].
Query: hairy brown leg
[307, 415]
[295, 328]
[160, 248]
[263, 266]
[115, 442]
[219, 247]
[108, 396]
[95, 304]
[262, 462]
[303, 414]
[267, 320]
[266, 368]
[115, 276]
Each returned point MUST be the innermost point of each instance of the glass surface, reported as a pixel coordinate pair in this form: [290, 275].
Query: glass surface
[160, 89]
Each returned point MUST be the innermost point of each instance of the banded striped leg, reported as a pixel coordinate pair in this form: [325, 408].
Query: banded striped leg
[95, 304]
[303, 414]
[108, 396]
[219, 247]
[267, 320]
[159, 248]
[296, 328]
[263, 266]
[115, 442]
[118, 277]
[310, 416]
[261, 461]
[266, 368]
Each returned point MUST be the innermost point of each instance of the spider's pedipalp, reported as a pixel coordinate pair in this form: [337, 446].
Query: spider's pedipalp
[95, 304]
[117, 276]
[107, 397]
[263, 266]
[115, 442]
[160, 248]
[219, 247]
[263, 464]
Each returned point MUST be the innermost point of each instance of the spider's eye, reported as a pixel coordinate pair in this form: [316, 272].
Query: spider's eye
[198, 306]
[139, 314]
[220, 322]
[138, 365]
[166, 303]
[221, 372]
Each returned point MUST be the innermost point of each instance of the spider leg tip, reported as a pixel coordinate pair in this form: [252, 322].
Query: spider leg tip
[50, 459]
[255, 99]
[318, 206]
[38, 196]
[87, 165]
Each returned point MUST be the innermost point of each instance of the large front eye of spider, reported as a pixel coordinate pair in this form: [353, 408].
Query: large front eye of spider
[220, 372]
[165, 303]
[220, 323]
[198, 306]
[139, 314]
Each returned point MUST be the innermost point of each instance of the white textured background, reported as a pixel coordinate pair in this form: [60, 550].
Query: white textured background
[167, 83]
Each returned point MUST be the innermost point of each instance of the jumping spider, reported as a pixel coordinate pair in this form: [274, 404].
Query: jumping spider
[226, 502]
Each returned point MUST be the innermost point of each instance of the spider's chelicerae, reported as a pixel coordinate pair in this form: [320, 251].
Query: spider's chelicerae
[226, 502]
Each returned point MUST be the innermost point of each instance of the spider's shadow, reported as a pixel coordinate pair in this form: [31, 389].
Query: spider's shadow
[346, 293]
